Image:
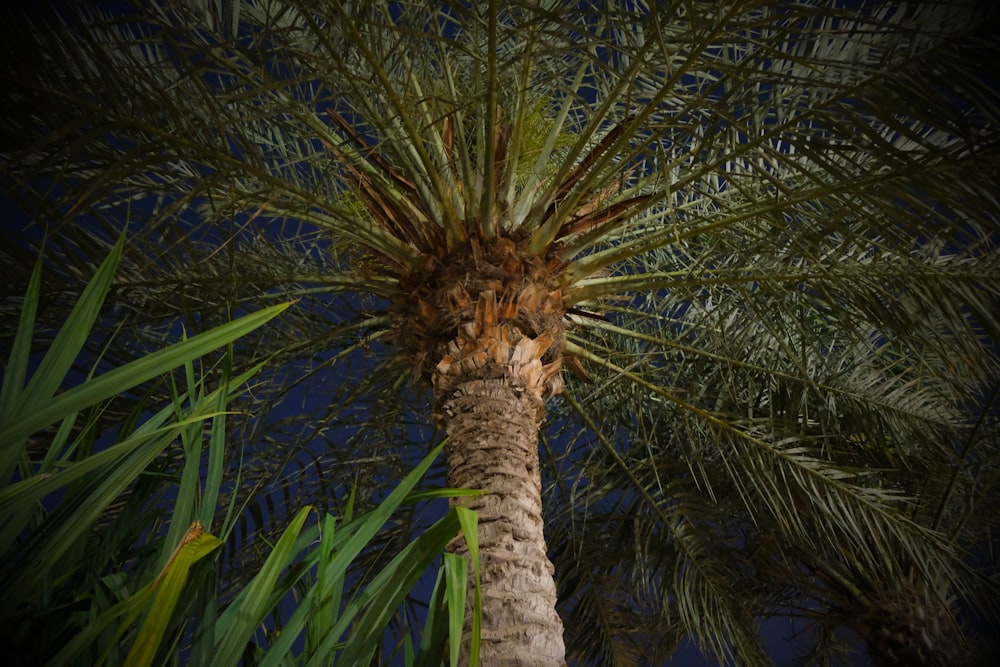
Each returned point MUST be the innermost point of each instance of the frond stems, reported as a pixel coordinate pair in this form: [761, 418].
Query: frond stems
[573, 181]
[588, 289]
[969, 442]
[613, 453]
[491, 133]
[590, 264]
[731, 361]
[862, 541]
[454, 232]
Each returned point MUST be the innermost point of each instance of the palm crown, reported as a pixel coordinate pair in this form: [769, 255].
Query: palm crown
[760, 236]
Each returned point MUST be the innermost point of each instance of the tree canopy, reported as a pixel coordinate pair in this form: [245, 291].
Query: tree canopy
[764, 236]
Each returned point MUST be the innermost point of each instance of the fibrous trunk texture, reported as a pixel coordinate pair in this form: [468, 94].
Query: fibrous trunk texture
[907, 629]
[486, 326]
[493, 446]
[490, 387]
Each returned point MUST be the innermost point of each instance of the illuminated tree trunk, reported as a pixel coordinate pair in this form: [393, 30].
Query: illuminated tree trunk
[493, 445]
[490, 389]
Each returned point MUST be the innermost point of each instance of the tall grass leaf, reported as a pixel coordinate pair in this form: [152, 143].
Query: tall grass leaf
[305, 546]
[356, 535]
[16, 370]
[216, 452]
[327, 605]
[125, 612]
[324, 639]
[470, 521]
[431, 648]
[167, 588]
[381, 514]
[32, 490]
[131, 374]
[72, 519]
[408, 654]
[203, 630]
[281, 648]
[253, 606]
[72, 335]
[351, 538]
[330, 584]
[57, 449]
[74, 650]
[437, 494]
[383, 595]
[392, 586]
[18, 500]
[456, 571]
[188, 489]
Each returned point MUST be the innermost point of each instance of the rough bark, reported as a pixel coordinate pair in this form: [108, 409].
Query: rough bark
[904, 628]
[489, 387]
[492, 426]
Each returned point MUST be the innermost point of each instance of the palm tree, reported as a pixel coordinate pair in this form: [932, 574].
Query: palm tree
[865, 582]
[713, 215]
[907, 616]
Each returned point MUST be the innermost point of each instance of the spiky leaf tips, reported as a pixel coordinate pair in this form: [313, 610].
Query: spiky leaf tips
[498, 271]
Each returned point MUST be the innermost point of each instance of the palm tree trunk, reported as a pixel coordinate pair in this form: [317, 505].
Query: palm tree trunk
[904, 628]
[493, 445]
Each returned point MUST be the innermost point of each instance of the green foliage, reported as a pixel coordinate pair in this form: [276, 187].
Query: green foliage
[91, 575]
[346, 634]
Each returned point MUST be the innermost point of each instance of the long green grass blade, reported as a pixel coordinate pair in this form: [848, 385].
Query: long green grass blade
[431, 648]
[346, 545]
[188, 489]
[18, 500]
[216, 452]
[254, 606]
[384, 594]
[469, 521]
[74, 517]
[456, 570]
[131, 374]
[333, 554]
[326, 606]
[167, 588]
[72, 335]
[16, 368]
[203, 631]
[322, 640]
[77, 646]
